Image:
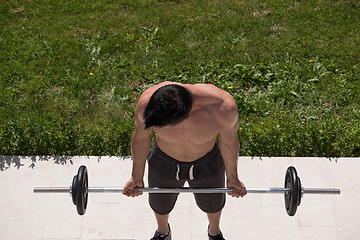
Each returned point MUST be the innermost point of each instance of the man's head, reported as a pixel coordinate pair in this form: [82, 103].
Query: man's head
[168, 106]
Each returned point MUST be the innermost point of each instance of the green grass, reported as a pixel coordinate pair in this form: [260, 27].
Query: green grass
[72, 71]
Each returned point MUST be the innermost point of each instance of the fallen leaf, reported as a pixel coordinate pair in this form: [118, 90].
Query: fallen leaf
[17, 10]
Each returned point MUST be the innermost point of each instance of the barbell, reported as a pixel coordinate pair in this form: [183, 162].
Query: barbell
[293, 190]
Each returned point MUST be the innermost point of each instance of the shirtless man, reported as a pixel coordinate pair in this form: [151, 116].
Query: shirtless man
[187, 120]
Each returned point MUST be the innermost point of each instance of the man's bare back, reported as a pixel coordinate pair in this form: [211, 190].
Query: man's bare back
[196, 135]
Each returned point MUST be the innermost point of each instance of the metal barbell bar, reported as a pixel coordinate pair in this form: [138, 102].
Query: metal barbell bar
[293, 191]
[186, 190]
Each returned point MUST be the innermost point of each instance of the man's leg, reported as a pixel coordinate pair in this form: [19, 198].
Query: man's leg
[214, 222]
[162, 174]
[162, 221]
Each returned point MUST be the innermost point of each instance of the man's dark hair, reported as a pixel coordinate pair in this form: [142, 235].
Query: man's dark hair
[168, 106]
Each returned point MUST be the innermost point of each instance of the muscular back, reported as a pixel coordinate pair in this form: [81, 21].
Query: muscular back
[213, 111]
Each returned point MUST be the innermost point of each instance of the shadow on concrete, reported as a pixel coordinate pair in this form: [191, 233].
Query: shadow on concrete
[7, 161]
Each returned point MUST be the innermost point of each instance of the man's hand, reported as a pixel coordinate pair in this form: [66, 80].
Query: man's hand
[238, 187]
[131, 188]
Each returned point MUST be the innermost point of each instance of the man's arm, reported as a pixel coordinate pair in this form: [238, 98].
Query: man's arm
[140, 146]
[229, 146]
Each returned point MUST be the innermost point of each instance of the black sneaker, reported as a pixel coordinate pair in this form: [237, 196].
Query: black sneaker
[217, 237]
[159, 236]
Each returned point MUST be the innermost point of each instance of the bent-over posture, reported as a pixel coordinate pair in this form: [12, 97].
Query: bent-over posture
[187, 120]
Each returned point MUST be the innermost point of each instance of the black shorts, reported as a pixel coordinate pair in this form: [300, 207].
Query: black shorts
[167, 172]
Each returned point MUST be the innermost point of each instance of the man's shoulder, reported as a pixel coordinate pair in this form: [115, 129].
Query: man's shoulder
[222, 104]
[216, 95]
[212, 90]
[206, 87]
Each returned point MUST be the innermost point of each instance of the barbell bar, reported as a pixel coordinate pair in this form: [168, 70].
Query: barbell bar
[293, 191]
[185, 190]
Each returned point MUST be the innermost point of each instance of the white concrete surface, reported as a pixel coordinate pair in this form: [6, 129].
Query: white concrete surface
[26, 215]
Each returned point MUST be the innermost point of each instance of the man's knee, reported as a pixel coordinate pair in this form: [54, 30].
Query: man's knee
[210, 203]
[162, 203]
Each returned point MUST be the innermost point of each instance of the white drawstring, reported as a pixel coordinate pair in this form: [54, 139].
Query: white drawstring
[191, 173]
[177, 172]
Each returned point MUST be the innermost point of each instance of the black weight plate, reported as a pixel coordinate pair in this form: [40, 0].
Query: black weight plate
[300, 193]
[73, 189]
[291, 197]
[81, 190]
